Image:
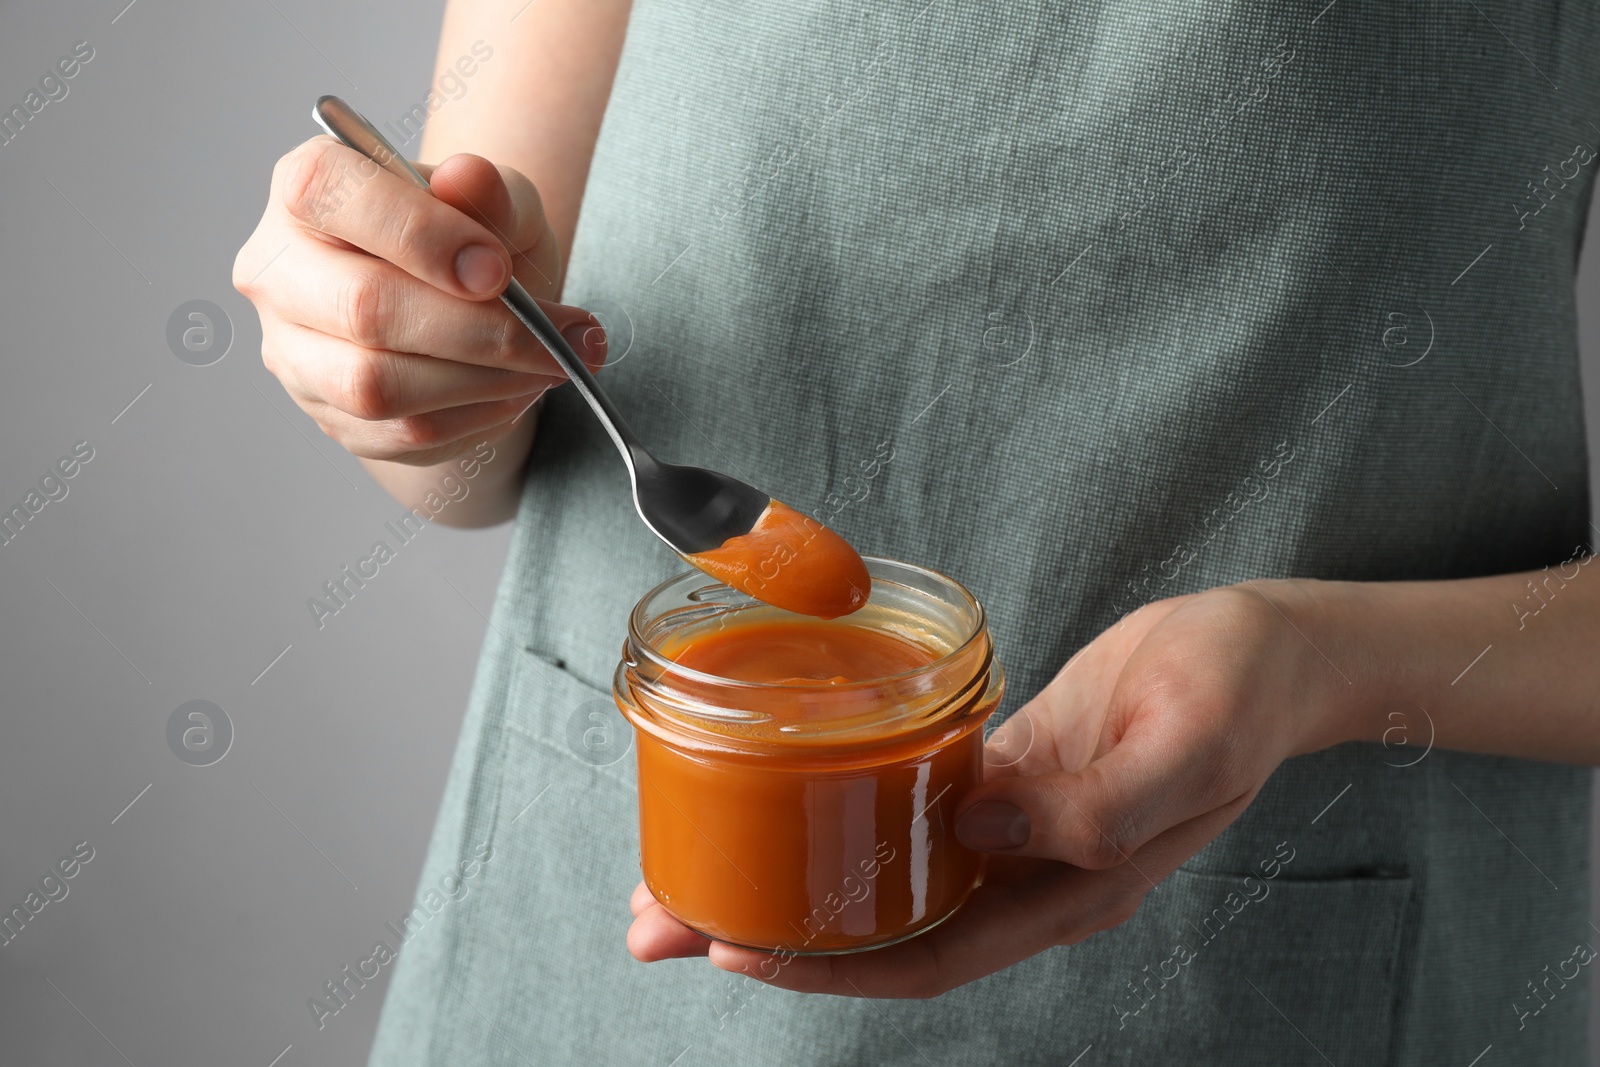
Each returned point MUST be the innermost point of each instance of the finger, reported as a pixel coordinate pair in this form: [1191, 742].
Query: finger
[507, 203]
[1022, 744]
[656, 935]
[1028, 907]
[1152, 779]
[641, 899]
[416, 439]
[334, 191]
[377, 385]
[376, 305]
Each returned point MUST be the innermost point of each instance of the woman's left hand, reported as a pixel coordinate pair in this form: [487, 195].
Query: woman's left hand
[1142, 749]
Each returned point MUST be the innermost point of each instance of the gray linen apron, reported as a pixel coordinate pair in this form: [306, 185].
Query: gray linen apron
[1138, 298]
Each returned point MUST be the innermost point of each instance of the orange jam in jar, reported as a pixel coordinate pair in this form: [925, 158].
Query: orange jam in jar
[798, 778]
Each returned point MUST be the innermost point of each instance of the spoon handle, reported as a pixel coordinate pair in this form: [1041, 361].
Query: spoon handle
[349, 126]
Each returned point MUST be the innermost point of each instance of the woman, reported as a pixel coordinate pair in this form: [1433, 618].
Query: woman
[1242, 339]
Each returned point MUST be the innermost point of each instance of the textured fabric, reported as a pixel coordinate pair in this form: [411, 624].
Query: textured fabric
[1142, 298]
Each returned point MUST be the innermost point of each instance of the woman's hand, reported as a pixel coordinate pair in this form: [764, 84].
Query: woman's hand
[1141, 750]
[377, 300]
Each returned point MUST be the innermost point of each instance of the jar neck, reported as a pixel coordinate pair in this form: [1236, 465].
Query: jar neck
[955, 672]
[695, 708]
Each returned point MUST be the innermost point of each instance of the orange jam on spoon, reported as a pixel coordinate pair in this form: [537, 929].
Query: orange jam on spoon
[792, 562]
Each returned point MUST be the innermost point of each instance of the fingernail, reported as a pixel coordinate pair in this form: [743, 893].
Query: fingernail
[480, 269]
[992, 824]
[587, 335]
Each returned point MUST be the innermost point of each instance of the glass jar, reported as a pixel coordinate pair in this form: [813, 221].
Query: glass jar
[809, 818]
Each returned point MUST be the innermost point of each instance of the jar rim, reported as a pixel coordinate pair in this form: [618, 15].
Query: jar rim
[637, 641]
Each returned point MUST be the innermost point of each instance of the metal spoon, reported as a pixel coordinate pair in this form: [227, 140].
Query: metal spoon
[692, 509]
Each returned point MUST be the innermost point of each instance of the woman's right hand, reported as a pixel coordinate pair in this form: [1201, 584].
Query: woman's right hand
[377, 300]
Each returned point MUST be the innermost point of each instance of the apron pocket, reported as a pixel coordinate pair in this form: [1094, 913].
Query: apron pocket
[1224, 969]
[557, 709]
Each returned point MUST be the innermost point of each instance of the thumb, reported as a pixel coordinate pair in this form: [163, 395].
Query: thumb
[1093, 818]
[507, 203]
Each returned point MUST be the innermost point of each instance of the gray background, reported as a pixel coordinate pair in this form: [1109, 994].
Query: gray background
[179, 563]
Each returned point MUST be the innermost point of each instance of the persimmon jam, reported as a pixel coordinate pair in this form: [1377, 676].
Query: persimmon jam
[798, 778]
[790, 651]
[793, 562]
